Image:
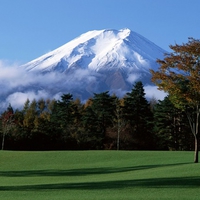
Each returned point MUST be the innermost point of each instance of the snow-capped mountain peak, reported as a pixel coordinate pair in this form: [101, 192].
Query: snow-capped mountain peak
[99, 50]
[96, 61]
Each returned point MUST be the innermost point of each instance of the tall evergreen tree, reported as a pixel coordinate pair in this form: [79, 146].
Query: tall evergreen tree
[91, 136]
[99, 116]
[138, 115]
[62, 119]
[170, 126]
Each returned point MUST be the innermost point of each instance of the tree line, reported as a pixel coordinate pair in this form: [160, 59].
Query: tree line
[102, 122]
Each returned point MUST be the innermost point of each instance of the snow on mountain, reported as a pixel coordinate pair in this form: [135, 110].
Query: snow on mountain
[94, 62]
[101, 50]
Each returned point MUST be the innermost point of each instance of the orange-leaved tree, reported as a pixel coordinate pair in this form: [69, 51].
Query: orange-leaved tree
[179, 76]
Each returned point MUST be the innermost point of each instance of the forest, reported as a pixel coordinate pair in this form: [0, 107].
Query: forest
[103, 122]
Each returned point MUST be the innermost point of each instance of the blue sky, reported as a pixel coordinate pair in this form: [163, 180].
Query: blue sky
[31, 28]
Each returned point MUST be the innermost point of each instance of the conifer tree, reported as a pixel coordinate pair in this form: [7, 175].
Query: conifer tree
[138, 115]
[62, 119]
[170, 126]
[99, 115]
[91, 135]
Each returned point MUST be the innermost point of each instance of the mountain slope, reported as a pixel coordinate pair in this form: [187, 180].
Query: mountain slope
[94, 62]
[101, 50]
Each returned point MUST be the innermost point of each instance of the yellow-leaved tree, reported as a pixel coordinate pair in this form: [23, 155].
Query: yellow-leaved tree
[179, 76]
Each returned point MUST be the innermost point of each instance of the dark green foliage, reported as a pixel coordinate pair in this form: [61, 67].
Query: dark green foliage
[98, 118]
[62, 119]
[104, 106]
[91, 137]
[171, 127]
[138, 115]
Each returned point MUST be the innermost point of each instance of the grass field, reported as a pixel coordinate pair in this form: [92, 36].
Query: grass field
[99, 175]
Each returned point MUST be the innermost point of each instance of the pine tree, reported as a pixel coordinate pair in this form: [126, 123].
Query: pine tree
[138, 115]
[63, 119]
[91, 135]
[98, 117]
[170, 126]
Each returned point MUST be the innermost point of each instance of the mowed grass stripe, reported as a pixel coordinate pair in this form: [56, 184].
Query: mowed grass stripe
[78, 174]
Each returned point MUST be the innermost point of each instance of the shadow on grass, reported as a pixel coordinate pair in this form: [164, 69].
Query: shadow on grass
[180, 182]
[185, 182]
[81, 171]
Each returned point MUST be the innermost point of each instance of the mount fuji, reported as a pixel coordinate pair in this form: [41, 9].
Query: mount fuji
[103, 50]
[94, 62]
[100, 60]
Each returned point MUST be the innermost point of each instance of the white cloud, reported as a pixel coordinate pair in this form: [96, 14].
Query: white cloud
[152, 91]
[17, 85]
[133, 77]
[18, 99]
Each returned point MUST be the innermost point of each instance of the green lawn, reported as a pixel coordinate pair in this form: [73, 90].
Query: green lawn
[99, 175]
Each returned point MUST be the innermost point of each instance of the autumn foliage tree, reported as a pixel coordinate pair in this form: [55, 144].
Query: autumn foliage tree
[179, 76]
[7, 123]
